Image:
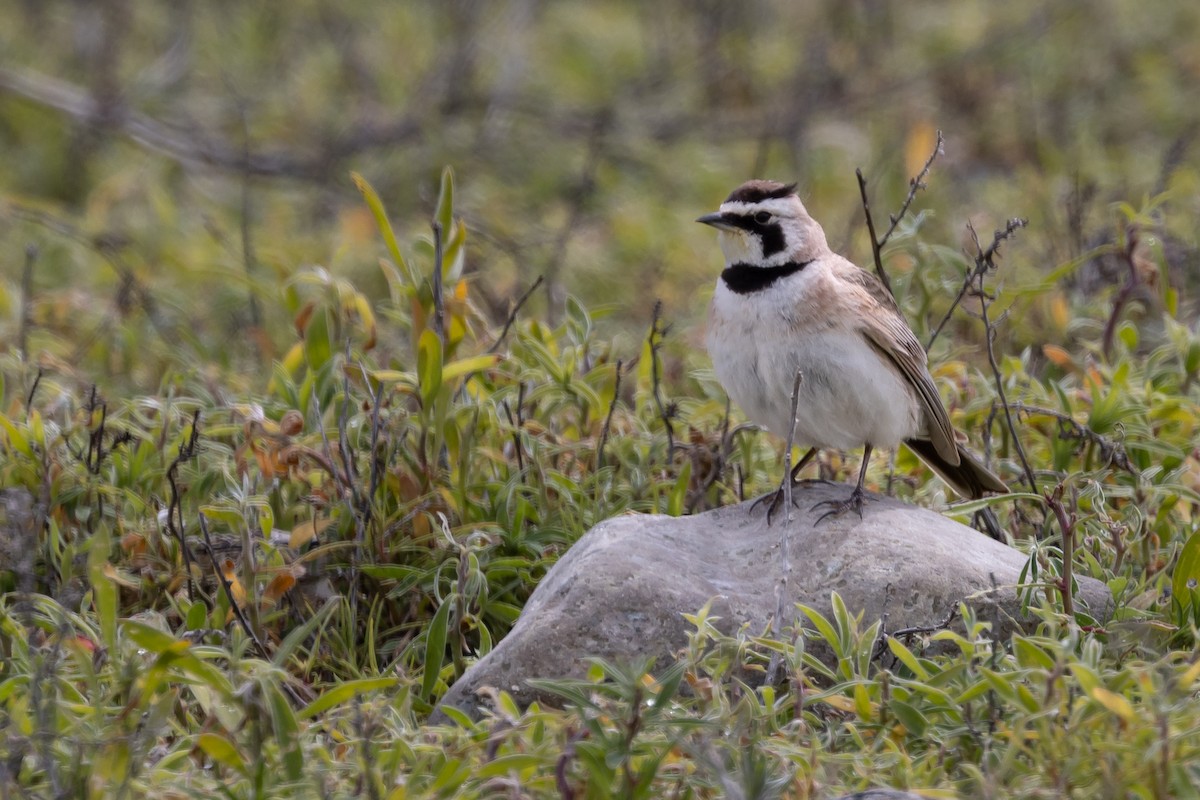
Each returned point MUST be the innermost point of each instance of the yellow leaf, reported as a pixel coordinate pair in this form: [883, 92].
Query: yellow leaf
[362, 306]
[1115, 703]
[116, 577]
[922, 137]
[841, 703]
[278, 587]
[229, 570]
[1058, 356]
[307, 531]
[1189, 677]
[1059, 311]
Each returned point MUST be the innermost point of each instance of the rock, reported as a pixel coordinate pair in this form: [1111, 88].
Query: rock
[621, 591]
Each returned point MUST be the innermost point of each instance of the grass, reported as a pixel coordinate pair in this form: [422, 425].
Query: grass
[371, 520]
[283, 453]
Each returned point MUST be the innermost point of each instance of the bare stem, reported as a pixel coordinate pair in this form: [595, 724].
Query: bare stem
[658, 332]
[983, 264]
[875, 245]
[31, 254]
[512, 316]
[984, 261]
[439, 301]
[1066, 523]
[612, 407]
[781, 588]
[914, 186]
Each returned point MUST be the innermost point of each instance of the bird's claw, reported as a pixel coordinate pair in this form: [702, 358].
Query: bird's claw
[775, 498]
[838, 507]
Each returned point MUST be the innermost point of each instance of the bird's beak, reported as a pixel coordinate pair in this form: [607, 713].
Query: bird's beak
[717, 220]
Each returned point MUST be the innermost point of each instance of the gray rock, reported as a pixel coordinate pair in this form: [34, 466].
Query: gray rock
[621, 591]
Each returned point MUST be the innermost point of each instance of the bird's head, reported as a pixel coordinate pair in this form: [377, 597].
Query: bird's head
[764, 224]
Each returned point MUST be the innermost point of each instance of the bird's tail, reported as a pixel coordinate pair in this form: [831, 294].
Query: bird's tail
[969, 477]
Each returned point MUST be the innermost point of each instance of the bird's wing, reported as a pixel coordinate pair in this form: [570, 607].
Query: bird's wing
[891, 336]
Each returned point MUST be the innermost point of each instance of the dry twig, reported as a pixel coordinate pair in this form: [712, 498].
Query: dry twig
[914, 185]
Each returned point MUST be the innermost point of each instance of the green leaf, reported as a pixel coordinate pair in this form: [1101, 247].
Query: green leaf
[514, 762]
[464, 366]
[287, 730]
[677, 499]
[385, 227]
[912, 719]
[862, 703]
[302, 632]
[1086, 676]
[907, 658]
[445, 203]
[435, 647]
[16, 437]
[343, 692]
[104, 589]
[429, 366]
[1187, 571]
[454, 253]
[1030, 655]
[148, 637]
[318, 348]
[969, 507]
[223, 751]
[822, 625]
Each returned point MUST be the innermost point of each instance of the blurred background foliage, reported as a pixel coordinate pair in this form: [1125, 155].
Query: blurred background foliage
[220, 231]
[212, 142]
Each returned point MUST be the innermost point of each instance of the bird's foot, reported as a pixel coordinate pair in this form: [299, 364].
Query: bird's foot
[775, 499]
[838, 507]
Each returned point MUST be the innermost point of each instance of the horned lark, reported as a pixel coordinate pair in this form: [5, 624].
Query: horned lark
[786, 302]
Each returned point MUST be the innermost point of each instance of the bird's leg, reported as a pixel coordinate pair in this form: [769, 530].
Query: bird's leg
[776, 497]
[852, 503]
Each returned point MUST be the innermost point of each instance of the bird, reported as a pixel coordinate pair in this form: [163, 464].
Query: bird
[786, 303]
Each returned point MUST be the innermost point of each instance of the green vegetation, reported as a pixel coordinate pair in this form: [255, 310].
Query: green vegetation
[211, 334]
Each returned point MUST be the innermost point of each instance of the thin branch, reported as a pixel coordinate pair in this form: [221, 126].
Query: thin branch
[37, 380]
[518, 425]
[175, 524]
[1066, 524]
[1128, 291]
[658, 332]
[367, 502]
[31, 254]
[226, 585]
[189, 147]
[1112, 452]
[875, 246]
[612, 407]
[512, 316]
[984, 261]
[915, 630]
[781, 588]
[914, 186]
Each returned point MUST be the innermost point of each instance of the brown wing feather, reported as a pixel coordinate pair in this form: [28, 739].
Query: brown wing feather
[892, 337]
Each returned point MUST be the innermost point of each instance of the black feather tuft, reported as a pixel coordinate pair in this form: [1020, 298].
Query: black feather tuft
[757, 191]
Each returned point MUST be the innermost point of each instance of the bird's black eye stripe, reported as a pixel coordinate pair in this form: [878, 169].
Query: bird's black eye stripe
[771, 232]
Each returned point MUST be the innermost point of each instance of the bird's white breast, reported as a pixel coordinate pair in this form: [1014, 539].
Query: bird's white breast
[849, 395]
